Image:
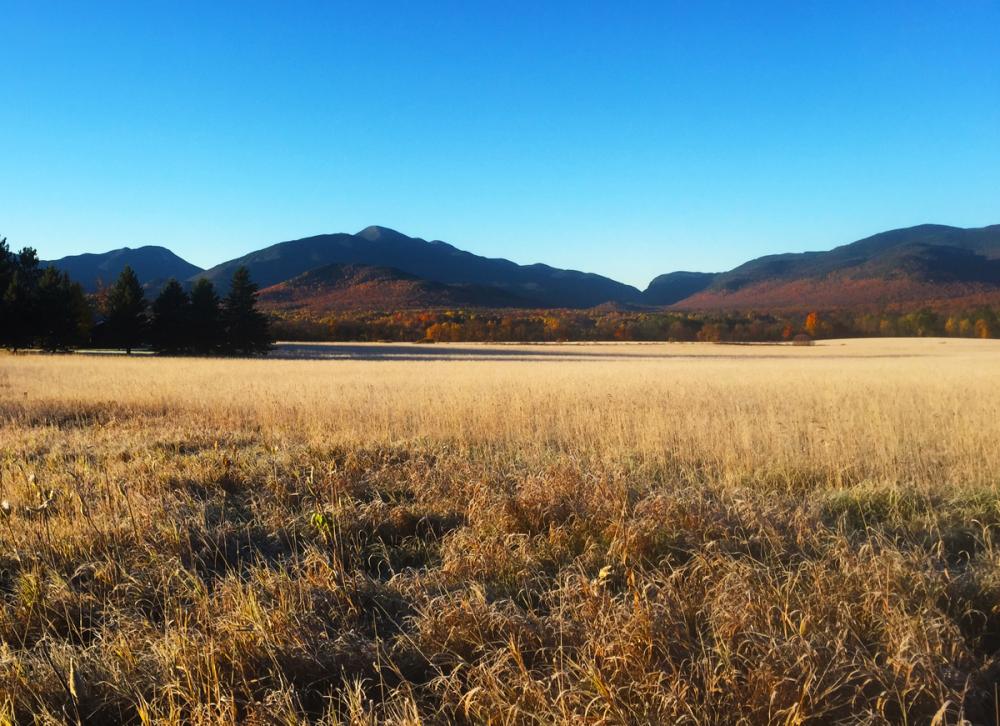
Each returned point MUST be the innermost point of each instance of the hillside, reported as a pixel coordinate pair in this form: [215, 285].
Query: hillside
[381, 269]
[537, 285]
[359, 287]
[675, 286]
[900, 267]
[154, 265]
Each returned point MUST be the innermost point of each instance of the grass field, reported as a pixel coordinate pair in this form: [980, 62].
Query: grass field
[508, 534]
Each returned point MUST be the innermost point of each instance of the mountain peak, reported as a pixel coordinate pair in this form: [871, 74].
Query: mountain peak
[436, 262]
[376, 232]
[152, 263]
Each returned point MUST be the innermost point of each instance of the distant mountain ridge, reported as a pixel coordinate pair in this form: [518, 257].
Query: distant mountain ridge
[435, 261]
[901, 266]
[359, 287]
[380, 268]
[154, 265]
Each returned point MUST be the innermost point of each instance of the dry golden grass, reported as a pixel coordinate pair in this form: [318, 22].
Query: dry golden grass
[616, 533]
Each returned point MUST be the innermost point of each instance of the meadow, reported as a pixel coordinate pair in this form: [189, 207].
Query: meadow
[605, 533]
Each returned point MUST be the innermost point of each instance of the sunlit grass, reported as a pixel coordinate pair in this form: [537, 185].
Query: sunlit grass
[765, 533]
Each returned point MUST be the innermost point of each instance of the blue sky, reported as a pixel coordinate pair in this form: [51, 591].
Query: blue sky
[628, 139]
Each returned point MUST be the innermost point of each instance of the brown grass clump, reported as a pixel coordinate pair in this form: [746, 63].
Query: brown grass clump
[779, 535]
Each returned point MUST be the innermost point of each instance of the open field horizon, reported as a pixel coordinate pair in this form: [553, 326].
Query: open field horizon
[872, 347]
[620, 533]
[663, 350]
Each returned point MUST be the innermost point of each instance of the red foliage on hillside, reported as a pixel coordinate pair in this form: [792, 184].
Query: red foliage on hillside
[335, 288]
[844, 293]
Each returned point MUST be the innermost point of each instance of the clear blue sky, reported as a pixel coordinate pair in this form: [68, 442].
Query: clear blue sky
[622, 138]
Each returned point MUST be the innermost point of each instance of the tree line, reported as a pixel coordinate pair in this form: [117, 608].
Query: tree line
[43, 308]
[612, 325]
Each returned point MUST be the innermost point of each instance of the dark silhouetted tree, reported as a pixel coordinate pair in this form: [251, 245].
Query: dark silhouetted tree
[205, 326]
[169, 330]
[7, 264]
[247, 330]
[126, 312]
[18, 321]
[62, 315]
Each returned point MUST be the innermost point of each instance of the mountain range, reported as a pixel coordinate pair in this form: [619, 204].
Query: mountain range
[538, 285]
[153, 265]
[381, 269]
[926, 263]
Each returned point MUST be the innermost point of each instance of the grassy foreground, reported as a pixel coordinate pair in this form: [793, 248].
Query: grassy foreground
[653, 534]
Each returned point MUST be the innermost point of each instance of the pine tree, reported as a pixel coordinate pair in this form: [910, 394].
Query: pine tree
[19, 309]
[39, 307]
[62, 317]
[247, 330]
[169, 331]
[6, 265]
[126, 313]
[205, 331]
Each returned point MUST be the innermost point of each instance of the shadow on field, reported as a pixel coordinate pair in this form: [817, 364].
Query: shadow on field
[415, 352]
[521, 352]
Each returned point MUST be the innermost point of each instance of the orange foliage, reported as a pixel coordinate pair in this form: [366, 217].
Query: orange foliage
[812, 324]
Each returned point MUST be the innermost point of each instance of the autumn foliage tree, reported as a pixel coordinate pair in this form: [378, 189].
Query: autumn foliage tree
[812, 324]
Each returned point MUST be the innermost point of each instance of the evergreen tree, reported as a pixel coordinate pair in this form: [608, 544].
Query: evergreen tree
[205, 327]
[247, 330]
[126, 313]
[62, 316]
[18, 323]
[7, 261]
[7, 266]
[169, 330]
[39, 307]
